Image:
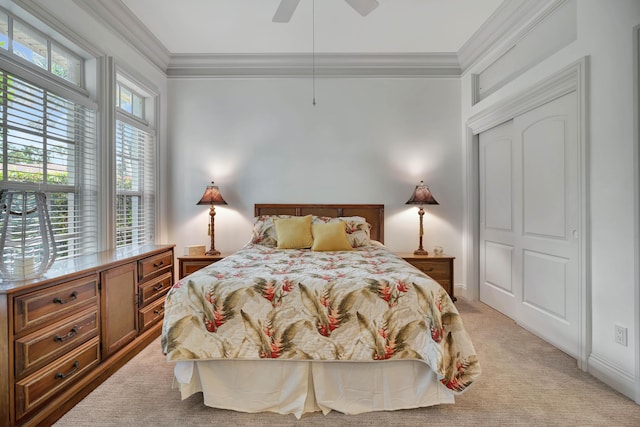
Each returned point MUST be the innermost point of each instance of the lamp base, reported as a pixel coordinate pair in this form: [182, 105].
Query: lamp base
[420, 252]
[212, 252]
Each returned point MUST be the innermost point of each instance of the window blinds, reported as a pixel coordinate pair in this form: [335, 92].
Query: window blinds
[135, 183]
[48, 143]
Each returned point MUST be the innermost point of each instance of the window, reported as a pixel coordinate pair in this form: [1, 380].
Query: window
[48, 143]
[25, 42]
[135, 172]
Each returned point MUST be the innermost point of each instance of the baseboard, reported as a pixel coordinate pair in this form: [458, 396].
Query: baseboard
[612, 376]
[460, 291]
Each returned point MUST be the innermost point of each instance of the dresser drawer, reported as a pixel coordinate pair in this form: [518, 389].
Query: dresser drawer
[434, 269]
[150, 267]
[155, 288]
[47, 382]
[151, 314]
[38, 308]
[39, 348]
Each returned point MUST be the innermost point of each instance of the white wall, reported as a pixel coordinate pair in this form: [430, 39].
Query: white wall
[366, 141]
[605, 35]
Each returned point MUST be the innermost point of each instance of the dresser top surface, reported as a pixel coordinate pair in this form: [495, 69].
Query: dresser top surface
[85, 264]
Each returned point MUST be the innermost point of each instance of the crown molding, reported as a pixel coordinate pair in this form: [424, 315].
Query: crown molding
[499, 28]
[116, 15]
[510, 16]
[326, 65]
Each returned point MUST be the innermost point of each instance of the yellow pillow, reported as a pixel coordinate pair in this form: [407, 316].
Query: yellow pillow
[330, 236]
[294, 232]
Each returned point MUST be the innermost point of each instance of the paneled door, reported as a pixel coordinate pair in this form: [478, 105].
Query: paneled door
[529, 221]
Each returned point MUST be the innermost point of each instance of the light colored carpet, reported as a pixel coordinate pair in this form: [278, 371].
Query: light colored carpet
[525, 381]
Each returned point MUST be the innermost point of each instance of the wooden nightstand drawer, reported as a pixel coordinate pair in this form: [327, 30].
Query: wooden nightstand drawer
[439, 268]
[435, 270]
[190, 264]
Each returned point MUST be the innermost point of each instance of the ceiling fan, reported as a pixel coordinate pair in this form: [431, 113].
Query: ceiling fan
[287, 7]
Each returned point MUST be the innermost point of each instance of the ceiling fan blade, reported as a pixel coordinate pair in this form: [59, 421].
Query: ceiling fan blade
[363, 7]
[285, 10]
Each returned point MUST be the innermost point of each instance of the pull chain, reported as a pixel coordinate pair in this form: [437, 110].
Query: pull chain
[313, 52]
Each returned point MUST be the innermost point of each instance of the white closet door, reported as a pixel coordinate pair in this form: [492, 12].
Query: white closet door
[497, 220]
[529, 246]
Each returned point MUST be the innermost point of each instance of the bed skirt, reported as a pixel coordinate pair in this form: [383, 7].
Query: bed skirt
[298, 387]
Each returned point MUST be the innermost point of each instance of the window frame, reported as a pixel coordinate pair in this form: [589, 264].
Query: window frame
[82, 189]
[143, 123]
[80, 86]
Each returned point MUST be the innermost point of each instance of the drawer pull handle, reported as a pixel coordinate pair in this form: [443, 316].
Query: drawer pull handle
[61, 376]
[428, 269]
[73, 296]
[159, 311]
[158, 287]
[158, 264]
[71, 333]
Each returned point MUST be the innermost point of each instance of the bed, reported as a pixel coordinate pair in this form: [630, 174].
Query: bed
[292, 325]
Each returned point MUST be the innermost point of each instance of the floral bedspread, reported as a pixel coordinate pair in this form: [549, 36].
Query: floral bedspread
[362, 305]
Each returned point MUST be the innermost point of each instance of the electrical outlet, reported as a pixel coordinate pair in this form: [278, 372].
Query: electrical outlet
[621, 335]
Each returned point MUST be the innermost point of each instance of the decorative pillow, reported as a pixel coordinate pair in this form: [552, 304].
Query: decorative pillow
[358, 229]
[294, 232]
[330, 236]
[264, 231]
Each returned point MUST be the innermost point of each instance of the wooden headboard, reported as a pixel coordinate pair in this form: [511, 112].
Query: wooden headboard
[374, 214]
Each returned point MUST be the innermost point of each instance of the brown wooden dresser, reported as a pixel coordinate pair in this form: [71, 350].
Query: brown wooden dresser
[63, 334]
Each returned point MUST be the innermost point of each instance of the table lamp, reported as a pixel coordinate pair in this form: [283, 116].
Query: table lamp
[421, 196]
[212, 197]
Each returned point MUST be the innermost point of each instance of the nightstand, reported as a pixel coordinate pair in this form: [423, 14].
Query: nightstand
[438, 267]
[189, 264]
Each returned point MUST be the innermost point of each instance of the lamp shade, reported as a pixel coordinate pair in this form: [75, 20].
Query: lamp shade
[211, 196]
[422, 196]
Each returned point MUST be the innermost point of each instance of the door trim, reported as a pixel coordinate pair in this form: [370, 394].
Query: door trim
[572, 78]
[636, 127]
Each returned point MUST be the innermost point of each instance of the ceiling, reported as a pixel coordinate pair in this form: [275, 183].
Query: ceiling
[245, 27]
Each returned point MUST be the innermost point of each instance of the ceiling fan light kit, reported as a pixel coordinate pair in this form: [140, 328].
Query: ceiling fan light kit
[287, 7]
[363, 7]
[285, 10]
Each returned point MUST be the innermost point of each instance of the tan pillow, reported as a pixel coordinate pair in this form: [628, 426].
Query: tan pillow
[294, 232]
[330, 236]
[358, 229]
